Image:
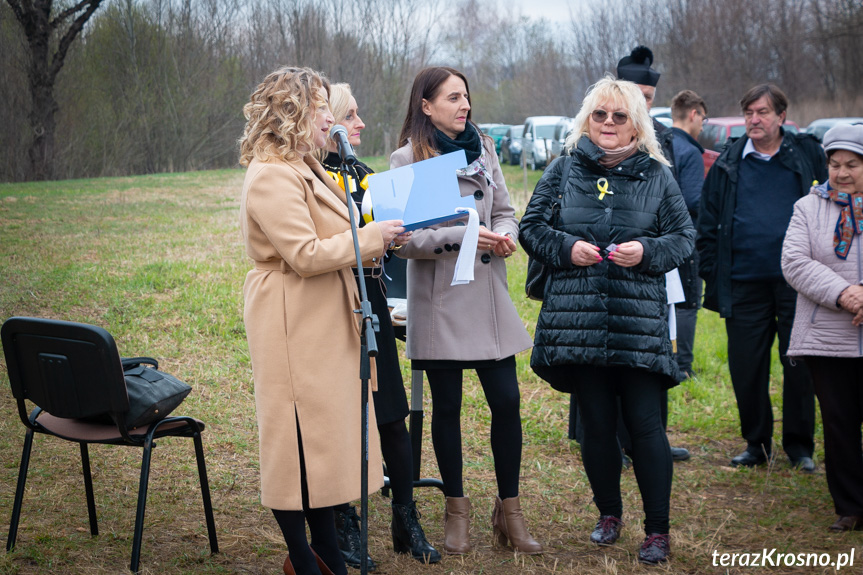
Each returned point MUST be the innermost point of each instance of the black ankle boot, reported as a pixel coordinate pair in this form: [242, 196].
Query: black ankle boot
[408, 535]
[348, 532]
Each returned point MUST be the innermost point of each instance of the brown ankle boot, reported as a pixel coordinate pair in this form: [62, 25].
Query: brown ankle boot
[456, 526]
[508, 523]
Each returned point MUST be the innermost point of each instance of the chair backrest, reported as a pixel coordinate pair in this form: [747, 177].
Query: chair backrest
[68, 369]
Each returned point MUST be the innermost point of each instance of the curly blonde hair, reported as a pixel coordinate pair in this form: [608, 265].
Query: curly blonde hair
[281, 114]
[628, 96]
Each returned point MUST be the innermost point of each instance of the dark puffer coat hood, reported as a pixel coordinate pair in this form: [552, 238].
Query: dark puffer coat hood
[605, 314]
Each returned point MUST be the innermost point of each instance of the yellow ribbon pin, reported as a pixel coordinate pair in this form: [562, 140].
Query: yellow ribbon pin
[602, 186]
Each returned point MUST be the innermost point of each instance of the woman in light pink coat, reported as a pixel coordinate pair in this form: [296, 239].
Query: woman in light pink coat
[822, 258]
[474, 326]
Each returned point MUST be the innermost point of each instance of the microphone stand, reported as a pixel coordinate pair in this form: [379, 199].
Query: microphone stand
[368, 349]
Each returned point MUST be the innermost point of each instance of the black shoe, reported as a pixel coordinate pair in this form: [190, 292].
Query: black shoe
[749, 459]
[607, 530]
[655, 549]
[408, 535]
[804, 464]
[847, 523]
[348, 533]
[679, 454]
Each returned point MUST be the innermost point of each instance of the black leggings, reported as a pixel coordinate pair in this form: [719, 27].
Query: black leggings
[500, 386]
[321, 525]
[641, 396]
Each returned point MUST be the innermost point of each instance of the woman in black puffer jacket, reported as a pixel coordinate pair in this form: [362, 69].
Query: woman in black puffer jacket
[609, 235]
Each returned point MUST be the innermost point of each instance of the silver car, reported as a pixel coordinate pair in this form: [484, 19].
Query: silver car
[819, 127]
[537, 138]
[561, 131]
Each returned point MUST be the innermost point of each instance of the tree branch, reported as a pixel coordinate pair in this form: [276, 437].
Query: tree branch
[62, 16]
[74, 29]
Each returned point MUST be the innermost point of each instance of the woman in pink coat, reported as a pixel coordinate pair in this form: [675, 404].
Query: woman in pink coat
[473, 326]
[822, 258]
[304, 338]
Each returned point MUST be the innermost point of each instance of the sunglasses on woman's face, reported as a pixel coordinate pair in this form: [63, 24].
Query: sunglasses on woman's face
[599, 116]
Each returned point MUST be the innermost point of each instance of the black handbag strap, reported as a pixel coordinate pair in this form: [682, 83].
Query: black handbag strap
[564, 175]
[132, 362]
[555, 205]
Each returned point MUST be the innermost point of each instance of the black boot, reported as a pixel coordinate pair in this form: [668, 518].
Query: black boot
[408, 536]
[348, 532]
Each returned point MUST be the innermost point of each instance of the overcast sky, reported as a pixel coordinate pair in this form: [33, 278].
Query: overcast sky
[552, 10]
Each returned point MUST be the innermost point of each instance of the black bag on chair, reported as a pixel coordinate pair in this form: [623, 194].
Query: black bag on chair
[153, 394]
[537, 273]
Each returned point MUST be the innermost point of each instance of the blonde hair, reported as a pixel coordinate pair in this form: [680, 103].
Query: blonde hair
[340, 101]
[626, 95]
[281, 114]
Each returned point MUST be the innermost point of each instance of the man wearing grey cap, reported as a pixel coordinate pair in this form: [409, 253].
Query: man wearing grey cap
[822, 258]
[746, 204]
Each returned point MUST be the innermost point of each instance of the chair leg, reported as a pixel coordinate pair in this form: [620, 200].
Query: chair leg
[19, 491]
[205, 493]
[88, 487]
[142, 504]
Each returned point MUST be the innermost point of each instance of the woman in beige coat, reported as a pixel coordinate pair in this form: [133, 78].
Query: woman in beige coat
[303, 335]
[473, 326]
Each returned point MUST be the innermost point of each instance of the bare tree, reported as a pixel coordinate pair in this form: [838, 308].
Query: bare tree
[48, 45]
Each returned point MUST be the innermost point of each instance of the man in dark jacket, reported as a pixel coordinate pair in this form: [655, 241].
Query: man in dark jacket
[746, 204]
[688, 112]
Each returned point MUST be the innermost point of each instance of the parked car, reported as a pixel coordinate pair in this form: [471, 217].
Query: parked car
[497, 133]
[510, 145]
[561, 131]
[662, 115]
[819, 127]
[536, 139]
[718, 132]
[484, 128]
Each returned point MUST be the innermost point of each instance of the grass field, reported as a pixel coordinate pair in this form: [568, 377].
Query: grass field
[158, 261]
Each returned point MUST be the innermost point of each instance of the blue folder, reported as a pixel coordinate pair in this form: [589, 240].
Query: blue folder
[420, 194]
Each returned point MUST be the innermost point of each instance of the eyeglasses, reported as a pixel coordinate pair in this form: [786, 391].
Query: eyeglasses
[599, 116]
[704, 117]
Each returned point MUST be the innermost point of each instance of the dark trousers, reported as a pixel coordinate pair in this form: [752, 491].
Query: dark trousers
[641, 398]
[839, 386]
[576, 423]
[500, 385]
[687, 313]
[761, 311]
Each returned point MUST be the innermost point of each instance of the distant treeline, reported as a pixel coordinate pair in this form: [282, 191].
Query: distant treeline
[159, 85]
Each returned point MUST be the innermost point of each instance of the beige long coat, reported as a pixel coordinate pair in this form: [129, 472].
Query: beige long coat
[304, 339]
[475, 321]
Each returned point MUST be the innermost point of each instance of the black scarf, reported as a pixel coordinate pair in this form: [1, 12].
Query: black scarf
[469, 141]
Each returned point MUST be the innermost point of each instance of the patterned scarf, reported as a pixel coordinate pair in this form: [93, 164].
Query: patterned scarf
[850, 220]
[470, 141]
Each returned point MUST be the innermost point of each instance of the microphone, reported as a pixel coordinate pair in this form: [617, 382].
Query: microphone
[339, 134]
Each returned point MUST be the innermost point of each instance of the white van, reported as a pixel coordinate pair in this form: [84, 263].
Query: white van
[537, 138]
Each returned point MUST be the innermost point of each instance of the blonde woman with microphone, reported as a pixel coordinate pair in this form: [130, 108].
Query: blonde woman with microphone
[391, 405]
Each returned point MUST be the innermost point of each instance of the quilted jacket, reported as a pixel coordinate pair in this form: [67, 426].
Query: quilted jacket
[605, 314]
[813, 269]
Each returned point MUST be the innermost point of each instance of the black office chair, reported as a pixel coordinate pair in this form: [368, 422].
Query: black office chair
[72, 371]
